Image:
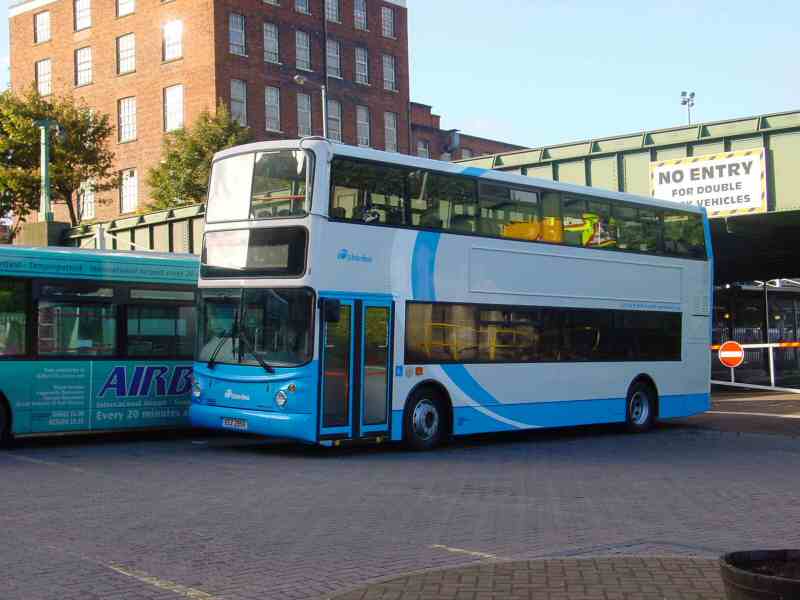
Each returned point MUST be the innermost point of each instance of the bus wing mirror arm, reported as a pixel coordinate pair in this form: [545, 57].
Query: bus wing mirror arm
[331, 310]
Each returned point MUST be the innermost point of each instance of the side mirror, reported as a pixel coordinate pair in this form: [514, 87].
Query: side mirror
[331, 310]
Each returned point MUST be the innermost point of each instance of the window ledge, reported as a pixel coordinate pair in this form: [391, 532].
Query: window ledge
[304, 69]
[332, 76]
[126, 73]
[83, 85]
[43, 42]
[172, 60]
[131, 141]
[364, 83]
[232, 53]
[272, 62]
[268, 130]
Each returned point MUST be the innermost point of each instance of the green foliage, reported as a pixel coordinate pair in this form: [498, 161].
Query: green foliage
[81, 156]
[182, 176]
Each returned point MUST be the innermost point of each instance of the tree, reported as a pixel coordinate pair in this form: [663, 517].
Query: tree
[79, 159]
[182, 176]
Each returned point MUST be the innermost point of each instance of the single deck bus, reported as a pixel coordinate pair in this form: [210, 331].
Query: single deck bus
[349, 294]
[93, 340]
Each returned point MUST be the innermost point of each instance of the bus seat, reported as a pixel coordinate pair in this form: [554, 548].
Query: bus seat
[339, 212]
[430, 219]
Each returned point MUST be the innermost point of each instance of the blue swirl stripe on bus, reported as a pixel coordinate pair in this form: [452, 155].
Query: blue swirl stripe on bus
[423, 265]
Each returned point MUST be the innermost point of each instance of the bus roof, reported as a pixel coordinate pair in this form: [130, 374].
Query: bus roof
[102, 265]
[316, 143]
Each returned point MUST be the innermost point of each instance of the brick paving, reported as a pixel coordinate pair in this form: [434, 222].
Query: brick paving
[161, 517]
[614, 578]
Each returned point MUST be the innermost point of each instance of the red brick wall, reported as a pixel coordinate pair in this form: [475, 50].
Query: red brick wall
[259, 74]
[194, 71]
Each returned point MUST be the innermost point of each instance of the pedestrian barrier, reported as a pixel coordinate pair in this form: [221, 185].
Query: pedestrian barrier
[750, 371]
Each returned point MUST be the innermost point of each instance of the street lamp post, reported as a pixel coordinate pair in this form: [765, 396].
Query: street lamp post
[45, 198]
[301, 80]
[687, 100]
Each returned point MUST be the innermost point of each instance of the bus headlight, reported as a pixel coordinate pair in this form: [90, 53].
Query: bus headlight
[196, 389]
[281, 398]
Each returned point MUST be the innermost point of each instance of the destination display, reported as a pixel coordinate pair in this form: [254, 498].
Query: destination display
[725, 184]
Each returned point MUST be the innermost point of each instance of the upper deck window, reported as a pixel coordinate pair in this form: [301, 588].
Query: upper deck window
[262, 185]
[380, 193]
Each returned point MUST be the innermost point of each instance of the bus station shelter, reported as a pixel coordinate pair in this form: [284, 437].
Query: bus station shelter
[746, 172]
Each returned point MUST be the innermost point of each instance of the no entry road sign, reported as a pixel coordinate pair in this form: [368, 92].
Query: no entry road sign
[731, 354]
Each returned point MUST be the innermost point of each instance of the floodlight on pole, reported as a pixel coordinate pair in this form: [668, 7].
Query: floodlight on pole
[302, 81]
[687, 100]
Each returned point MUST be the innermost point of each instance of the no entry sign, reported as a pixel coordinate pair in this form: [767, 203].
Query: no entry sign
[731, 354]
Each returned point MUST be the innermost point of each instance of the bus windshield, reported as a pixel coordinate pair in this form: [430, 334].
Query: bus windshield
[274, 323]
[260, 185]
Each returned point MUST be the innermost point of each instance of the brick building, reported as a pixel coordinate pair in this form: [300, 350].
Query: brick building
[429, 140]
[154, 65]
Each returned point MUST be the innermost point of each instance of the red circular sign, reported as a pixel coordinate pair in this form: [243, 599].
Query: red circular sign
[731, 354]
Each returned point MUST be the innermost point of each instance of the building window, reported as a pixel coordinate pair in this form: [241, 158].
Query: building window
[87, 201]
[126, 121]
[83, 66]
[44, 77]
[271, 45]
[236, 34]
[335, 120]
[173, 107]
[362, 65]
[301, 6]
[303, 115]
[83, 14]
[272, 108]
[125, 7]
[239, 101]
[423, 149]
[126, 54]
[362, 125]
[389, 73]
[41, 27]
[360, 14]
[387, 22]
[129, 191]
[173, 40]
[390, 131]
[466, 153]
[332, 11]
[334, 59]
[303, 47]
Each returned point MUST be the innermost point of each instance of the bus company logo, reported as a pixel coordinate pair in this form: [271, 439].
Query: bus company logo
[347, 256]
[146, 380]
[231, 395]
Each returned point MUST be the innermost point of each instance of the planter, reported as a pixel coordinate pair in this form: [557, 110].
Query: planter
[761, 575]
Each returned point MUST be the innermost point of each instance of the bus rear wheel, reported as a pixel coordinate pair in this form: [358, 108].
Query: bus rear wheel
[425, 419]
[5, 424]
[641, 407]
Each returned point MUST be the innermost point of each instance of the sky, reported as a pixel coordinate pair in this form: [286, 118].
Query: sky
[538, 72]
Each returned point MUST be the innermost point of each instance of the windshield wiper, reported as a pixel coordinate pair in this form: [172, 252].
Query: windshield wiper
[242, 339]
[212, 360]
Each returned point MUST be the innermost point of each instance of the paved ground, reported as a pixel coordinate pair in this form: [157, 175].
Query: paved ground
[232, 518]
[627, 578]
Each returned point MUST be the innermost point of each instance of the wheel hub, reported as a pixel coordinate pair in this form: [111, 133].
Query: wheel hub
[640, 408]
[425, 419]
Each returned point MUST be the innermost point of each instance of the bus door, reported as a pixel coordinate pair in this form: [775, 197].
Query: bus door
[355, 365]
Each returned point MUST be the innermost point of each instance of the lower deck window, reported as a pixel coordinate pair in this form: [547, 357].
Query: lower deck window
[443, 332]
[79, 329]
[13, 318]
[162, 331]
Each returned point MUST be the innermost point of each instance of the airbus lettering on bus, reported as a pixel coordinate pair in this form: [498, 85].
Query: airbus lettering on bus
[94, 340]
[352, 294]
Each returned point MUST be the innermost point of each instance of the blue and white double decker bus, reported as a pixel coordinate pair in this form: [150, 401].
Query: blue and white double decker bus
[349, 294]
[94, 341]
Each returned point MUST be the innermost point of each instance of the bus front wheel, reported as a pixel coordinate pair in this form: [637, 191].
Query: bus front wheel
[425, 419]
[641, 403]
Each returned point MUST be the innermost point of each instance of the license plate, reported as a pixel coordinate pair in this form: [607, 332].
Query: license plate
[240, 424]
